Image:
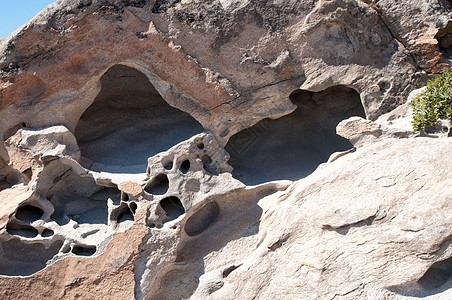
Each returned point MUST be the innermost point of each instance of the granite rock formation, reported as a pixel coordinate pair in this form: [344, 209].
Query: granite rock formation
[224, 149]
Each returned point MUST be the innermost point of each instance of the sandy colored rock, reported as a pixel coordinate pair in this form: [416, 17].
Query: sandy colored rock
[358, 130]
[224, 150]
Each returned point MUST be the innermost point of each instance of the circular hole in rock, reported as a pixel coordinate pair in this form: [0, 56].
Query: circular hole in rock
[172, 207]
[200, 220]
[167, 164]
[47, 233]
[28, 213]
[185, 166]
[200, 146]
[158, 186]
[84, 250]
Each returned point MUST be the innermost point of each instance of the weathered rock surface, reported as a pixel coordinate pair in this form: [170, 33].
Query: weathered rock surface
[372, 224]
[224, 150]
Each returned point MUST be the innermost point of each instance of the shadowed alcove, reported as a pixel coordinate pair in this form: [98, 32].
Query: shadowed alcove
[293, 146]
[128, 122]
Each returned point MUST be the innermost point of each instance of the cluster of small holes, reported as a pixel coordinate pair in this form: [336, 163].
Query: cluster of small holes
[21, 223]
[79, 250]
[158, 187]
[124, 210]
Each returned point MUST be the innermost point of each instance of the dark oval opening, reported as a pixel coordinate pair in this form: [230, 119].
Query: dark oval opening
[84, 250]
[437, 274]
[21, 230]
[185, 166]
[29, 213]
[206, 161]
[168, 165]
[444, 37]
[124, 197]
[158, 186]
[172, 207]
[23, 259]
[47, 233]
[200, 220]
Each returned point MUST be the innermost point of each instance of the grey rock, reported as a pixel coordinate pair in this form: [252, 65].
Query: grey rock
[224, 150]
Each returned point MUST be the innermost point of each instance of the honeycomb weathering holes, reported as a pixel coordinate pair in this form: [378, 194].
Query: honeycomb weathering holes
[129, 111]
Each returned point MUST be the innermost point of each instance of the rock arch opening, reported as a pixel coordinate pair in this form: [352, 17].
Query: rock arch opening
[293, 146]
[128, 122]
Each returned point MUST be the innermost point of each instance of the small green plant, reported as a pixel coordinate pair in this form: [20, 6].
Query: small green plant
[434, 103]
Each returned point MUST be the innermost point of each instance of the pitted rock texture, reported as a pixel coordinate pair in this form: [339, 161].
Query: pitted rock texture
[224, 149]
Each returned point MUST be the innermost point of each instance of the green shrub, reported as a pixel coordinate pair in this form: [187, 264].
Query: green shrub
[434, 103]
